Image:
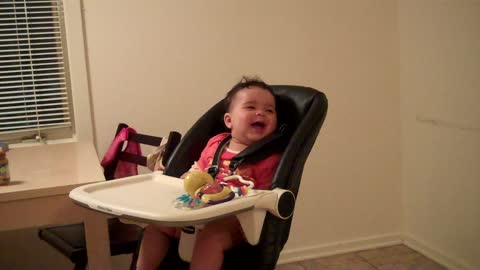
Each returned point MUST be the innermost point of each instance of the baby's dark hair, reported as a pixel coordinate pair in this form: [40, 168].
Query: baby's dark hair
[245, 82]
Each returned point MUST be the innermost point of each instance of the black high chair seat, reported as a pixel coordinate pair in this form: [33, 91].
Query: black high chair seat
[303, 110]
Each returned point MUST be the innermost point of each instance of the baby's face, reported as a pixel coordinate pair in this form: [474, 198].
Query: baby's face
[252, 115]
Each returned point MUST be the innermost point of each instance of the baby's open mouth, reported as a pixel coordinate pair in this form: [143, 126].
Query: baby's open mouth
[258, 124]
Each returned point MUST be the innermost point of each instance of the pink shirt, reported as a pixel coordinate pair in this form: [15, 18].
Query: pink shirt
[260, 172]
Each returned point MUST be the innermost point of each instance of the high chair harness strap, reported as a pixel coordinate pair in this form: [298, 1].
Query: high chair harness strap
[255, 152]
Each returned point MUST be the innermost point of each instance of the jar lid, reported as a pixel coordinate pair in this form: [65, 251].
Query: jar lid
[3, 147]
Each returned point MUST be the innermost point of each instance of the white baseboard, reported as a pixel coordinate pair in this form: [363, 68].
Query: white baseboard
[316, 251]
[434, 254]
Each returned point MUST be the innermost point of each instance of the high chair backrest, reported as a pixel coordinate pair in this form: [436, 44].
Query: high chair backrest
[303, 110]
[306, 111]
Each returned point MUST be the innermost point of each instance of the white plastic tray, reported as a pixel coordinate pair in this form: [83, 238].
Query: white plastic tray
[149, 198]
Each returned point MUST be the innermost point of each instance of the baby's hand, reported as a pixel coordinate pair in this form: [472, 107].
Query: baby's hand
[194, 168]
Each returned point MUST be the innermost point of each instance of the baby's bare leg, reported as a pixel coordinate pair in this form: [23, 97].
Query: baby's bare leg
[213, 241]
[154, 247]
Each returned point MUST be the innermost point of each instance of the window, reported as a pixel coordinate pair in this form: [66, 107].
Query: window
[35, 96]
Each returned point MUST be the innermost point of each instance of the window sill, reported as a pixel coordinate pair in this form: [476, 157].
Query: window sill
[37, 143]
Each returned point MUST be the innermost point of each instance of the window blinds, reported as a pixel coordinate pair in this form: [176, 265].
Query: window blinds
[33, 81]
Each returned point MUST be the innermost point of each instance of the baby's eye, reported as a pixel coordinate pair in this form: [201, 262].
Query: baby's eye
[270, 111]
[251, 107]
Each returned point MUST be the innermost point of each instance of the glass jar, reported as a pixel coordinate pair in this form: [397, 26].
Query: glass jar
[4, 171]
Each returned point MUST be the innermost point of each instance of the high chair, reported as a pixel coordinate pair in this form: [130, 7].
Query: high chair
[124, 238]
[303, 110]
[265, 218]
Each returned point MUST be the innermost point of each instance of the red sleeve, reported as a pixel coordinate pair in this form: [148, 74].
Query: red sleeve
[209, 150]
[266, 171]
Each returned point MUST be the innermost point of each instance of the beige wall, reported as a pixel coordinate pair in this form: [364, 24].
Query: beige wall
[159, 65]
[397, 157]
[440, 90]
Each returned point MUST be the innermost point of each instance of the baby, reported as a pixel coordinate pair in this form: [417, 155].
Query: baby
[251, 116]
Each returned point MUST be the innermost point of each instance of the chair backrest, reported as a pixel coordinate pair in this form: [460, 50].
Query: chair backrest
[304, 110]
[173, 140]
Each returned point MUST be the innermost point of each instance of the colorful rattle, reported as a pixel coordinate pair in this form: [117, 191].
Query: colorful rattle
[203, 190]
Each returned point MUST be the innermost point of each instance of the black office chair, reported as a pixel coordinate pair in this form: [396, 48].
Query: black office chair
[124, 238]
[303, 110]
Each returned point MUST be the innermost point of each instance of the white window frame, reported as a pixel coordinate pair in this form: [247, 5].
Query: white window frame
[77, 64]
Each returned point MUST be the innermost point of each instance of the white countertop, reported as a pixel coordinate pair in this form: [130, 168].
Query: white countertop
[48, 170]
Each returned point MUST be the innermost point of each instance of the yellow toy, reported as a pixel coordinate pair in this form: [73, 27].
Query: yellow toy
[202, 186]
[195, 180]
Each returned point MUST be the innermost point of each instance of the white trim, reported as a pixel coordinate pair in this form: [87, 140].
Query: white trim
[435, 254]
[78, 70]
[35, 143]
[317, 251]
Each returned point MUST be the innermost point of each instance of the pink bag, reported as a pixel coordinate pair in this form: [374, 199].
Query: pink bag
[124, 168]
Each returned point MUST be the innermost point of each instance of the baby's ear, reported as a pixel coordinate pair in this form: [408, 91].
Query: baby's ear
[227, 119]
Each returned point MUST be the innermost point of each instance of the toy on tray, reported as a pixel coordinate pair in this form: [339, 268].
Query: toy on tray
[202, 190]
